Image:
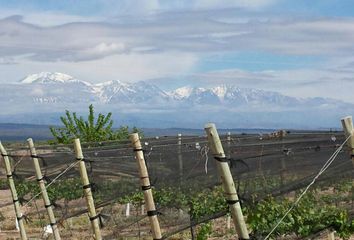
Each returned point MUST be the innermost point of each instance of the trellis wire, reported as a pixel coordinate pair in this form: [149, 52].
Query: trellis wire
[249, 149]
[322, 170]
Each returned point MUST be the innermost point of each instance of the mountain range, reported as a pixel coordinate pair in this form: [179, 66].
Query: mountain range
[47, 94]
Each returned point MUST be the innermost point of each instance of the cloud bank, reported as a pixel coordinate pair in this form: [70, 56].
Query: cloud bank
[169, 41]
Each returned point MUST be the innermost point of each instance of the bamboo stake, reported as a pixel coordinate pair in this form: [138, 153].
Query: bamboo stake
[94, 218]
[127, 209]
[146, 187]
[42, 187]
[19, 215]
[228, 144]
[227, 181]
[228, 222]
[180, 160]
[142, 209]
[283, 165]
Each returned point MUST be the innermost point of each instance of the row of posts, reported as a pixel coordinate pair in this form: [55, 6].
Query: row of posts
[216, 150]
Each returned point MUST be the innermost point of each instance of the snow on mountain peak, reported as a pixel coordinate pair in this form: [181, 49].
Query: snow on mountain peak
[110, 83]
[51, 77]
[59, 88]
[220, 91]
[183, 92]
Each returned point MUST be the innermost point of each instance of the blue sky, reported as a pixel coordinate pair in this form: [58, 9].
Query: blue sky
[256, 61]
[342, 8]
[299, 48]
[94, 7]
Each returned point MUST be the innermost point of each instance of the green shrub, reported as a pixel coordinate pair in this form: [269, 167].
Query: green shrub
[90, 130]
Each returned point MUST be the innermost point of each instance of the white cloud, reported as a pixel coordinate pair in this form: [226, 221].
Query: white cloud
[37, 92]
[108, 47]
[332, 80]
[170, 43]
[47, 18]
[185, 32]
[127, 67]
[98, 51]
[7, 60]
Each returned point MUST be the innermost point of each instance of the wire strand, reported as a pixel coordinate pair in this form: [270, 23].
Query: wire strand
[53, 181]
[322, 170]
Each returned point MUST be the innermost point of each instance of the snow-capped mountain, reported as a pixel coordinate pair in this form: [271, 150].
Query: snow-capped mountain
[48, 87]
[228, 94]
[106, 90]
[49, 93]
[119, 92]
[51, 78]
[61, 88]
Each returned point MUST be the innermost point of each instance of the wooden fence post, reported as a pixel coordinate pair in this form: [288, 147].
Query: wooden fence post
[347, 124]
[42, 187]
[94, 218]
[146, 187]
[227, 180]
[228, 217]
[348, 129]
[19, 215]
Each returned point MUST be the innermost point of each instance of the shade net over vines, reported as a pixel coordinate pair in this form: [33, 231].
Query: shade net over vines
[186, 184]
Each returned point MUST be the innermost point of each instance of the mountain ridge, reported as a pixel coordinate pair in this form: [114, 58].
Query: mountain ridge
[115, 91]
[44, 97]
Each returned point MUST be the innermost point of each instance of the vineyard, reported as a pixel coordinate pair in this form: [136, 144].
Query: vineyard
[270, 172]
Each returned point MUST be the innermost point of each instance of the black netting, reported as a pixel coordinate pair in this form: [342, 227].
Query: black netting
[181, 172]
